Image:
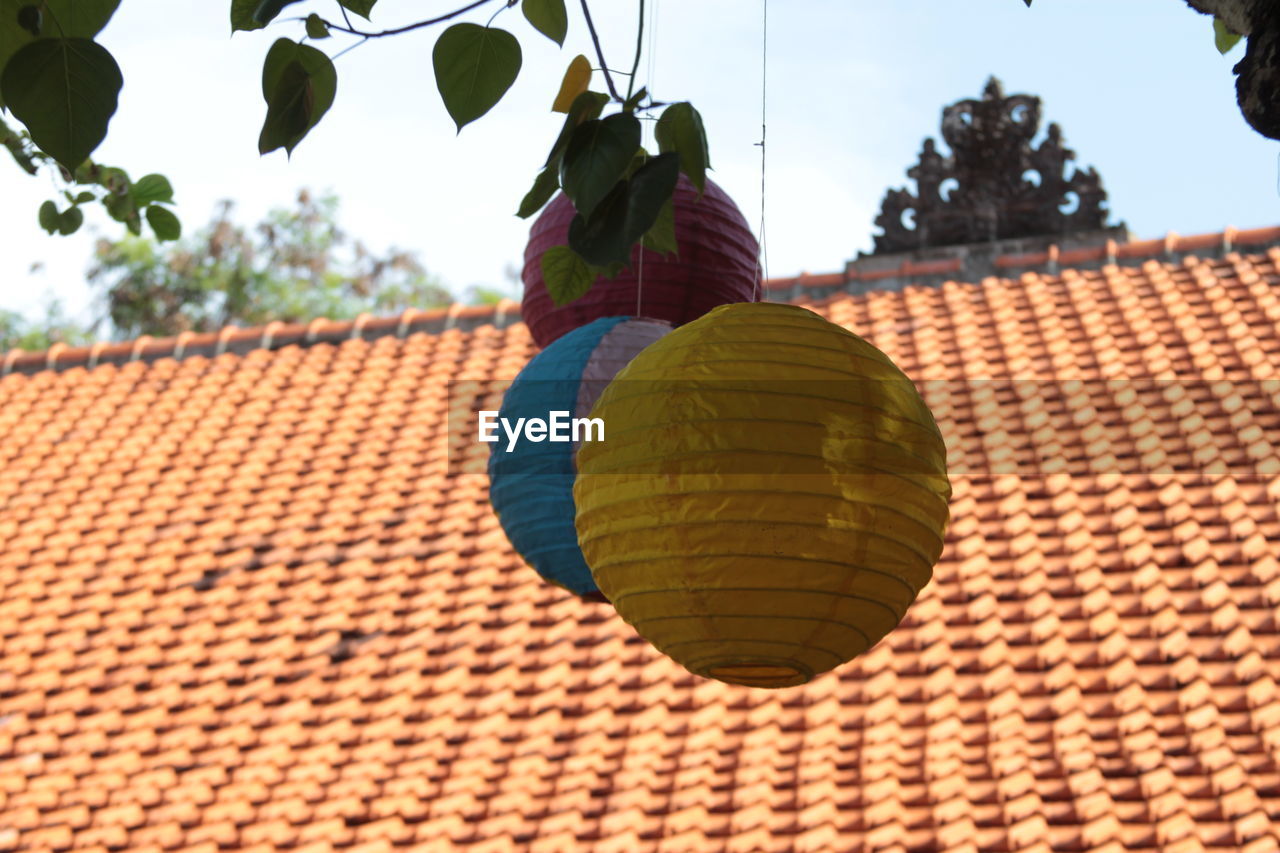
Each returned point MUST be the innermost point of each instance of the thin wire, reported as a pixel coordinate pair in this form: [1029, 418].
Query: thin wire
[764, 135]
[652, 25]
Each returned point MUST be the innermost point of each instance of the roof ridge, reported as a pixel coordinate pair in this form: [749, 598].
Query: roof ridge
[934, 266]
[277, 334]
[274, 335]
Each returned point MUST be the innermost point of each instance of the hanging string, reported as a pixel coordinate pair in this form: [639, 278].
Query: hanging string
[764, 135]
[645, 140]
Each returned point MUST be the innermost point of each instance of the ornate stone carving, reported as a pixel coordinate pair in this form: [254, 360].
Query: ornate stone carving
[982, 192]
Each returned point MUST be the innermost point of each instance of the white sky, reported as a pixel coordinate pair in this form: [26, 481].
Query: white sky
[854, 86]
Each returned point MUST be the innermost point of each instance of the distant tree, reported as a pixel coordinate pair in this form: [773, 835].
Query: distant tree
[20, 332]
[295, 266]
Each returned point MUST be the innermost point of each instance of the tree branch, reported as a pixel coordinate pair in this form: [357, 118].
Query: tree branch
[595, 38]
[635, 65]
[398, 30]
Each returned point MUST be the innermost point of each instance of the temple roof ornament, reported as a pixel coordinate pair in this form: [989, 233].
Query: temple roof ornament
[995, 185]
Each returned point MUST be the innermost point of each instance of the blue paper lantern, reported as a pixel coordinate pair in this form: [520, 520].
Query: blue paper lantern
[531, 482]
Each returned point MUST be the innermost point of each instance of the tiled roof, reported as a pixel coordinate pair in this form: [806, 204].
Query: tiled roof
[905, 270]
[246, 604]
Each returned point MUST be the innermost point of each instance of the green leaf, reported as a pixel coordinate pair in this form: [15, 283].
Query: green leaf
[70, 220]
[544, 187]
[49, 216]
[64, 90]
[109, 177]
[626, 214]
[75, 19]
[316, 28]
[164, 223]
[661, 237]
[548, 17]
[680, 129]
[597, 156]
[151, 188]
[567, 276]
[299, 84]
[289, 110]
[242, 15]
[586, 107]
[268, 9]
[121, 207]
[1223, 38]
[360, 7]
[475, 66]
[84, 197]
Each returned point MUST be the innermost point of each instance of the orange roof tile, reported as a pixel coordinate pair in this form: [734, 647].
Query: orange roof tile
[248, 600]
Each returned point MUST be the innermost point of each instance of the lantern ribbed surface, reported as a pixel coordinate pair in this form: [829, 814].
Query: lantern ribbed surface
[770, 498]
[716, 265]
[531, 485]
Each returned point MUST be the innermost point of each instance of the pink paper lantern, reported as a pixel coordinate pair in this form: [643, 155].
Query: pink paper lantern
[717, 265]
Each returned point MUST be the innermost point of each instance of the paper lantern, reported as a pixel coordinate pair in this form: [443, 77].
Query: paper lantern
[531, 482]
[770, 498]
[717, 264]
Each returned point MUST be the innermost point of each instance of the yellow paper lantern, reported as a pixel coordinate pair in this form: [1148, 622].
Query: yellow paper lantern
[770, 497]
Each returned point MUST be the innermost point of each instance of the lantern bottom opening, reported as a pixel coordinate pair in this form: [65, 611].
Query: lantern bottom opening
[758, 672]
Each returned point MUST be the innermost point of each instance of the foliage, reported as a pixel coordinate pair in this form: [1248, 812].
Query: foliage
[19, 332]
[62, 86]
[1223, 38]
[295, 266]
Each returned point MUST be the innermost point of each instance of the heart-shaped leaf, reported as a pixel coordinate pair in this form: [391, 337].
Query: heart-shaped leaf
[629, 211]
[52, 19]
[597, 156]
[548, 17]
[299, 84]
[680, 129]
[566, 275]
[164, 223]
[70, 220]
[475, 66]
[65, 91]
[152, 188]
[49, 216]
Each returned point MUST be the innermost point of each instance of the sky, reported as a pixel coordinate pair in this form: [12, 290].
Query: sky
[850, 90]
